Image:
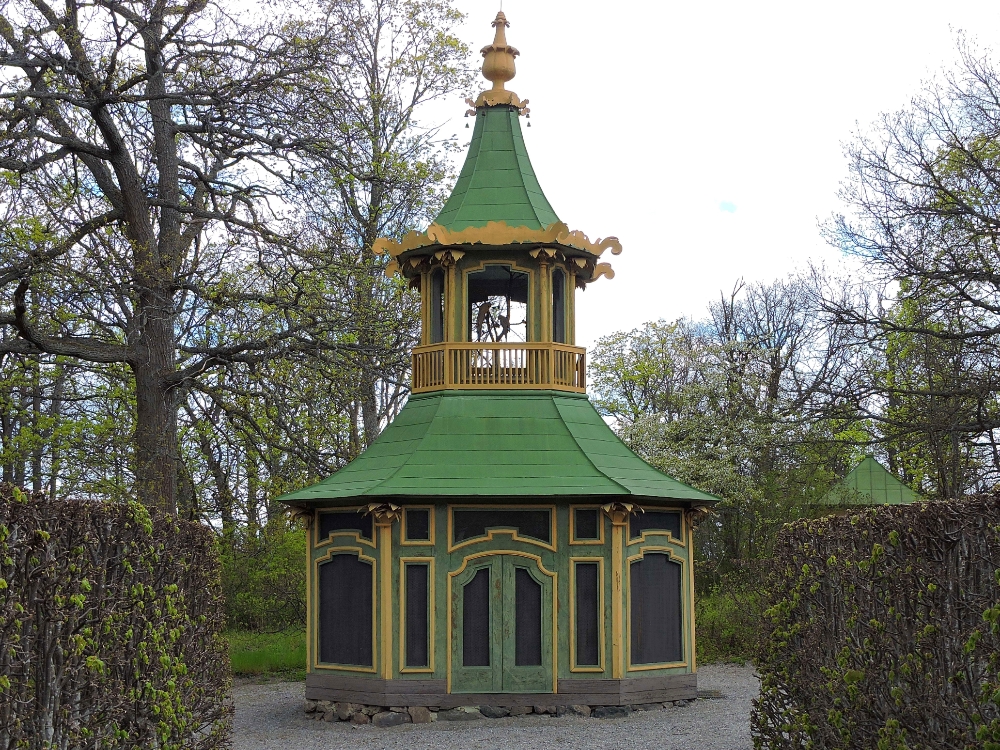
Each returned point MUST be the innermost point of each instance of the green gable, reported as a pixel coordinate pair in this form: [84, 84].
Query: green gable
[496, 444]
[497, 182]
[869, 483]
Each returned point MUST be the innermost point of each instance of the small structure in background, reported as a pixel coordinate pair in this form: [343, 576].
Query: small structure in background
[866, 485]
[498, 545]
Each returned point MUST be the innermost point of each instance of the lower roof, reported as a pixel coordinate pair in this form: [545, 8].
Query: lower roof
[496, 444]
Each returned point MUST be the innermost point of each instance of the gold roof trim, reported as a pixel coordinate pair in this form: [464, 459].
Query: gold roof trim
[497, 233]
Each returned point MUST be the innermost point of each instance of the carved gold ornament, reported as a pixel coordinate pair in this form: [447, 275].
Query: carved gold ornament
[384, 513]
[498, 233]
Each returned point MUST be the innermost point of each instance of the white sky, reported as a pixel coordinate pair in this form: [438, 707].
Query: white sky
[650, 119]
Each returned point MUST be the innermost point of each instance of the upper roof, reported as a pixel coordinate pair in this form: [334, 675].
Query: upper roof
[496, 444]
[869, 483]
[497, 201]
[497, 182]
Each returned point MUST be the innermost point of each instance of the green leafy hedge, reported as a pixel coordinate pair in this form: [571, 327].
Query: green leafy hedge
[110, 628]
[883, 631]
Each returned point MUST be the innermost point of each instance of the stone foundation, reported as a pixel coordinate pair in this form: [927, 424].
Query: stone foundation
[392, 716]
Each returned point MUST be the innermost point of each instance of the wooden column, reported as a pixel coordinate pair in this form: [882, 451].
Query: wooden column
[385, 514]
[618, 513]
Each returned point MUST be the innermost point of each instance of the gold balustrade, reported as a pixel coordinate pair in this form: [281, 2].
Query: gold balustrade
[483, 365]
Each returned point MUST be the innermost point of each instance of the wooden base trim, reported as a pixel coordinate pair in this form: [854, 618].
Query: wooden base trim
[378, 692]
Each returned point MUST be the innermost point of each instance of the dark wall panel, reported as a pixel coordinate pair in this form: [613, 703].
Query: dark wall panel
[344, 521]
[587, 614]
[345, 611]
[470, 524]
[585, 523]
[417, 642]
[655, 520]
[476, 620]
[528, 620]
[418, 525]
[655, 595]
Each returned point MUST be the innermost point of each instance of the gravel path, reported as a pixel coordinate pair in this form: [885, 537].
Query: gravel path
[270, 717]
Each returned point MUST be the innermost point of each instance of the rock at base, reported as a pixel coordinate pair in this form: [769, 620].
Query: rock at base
[573, 711]
[545, 709]
[345, 711]
[390, 719]
[310, 706]
[519, 710]
[360, 718]
[420, 715]
[610, 712]
[494, 712]
[647, 706]
[462, 713]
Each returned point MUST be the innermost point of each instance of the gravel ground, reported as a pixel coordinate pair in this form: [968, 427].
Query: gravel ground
[270, 717]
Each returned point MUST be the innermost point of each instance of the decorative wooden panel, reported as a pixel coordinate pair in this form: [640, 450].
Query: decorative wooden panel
[417, 615]
[587, 614]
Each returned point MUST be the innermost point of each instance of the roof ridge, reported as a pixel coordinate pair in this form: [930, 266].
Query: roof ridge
[576, 440]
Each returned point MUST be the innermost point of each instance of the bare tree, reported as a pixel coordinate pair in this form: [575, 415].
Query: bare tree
[150, 153]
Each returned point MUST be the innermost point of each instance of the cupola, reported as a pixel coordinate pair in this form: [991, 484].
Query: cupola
[497, 269]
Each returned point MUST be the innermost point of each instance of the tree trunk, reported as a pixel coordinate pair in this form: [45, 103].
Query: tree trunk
[156, 408]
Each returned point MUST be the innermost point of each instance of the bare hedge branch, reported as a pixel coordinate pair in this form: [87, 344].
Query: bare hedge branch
[884, 631]
[110, 628]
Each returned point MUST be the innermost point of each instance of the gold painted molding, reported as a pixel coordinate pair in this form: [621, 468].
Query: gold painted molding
[499, 233]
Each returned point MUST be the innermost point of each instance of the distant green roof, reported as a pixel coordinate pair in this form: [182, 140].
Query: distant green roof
[496, 444]
[497, 182]
[869, 483]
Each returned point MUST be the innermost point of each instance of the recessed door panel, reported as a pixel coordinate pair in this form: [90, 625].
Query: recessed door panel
[502, 627]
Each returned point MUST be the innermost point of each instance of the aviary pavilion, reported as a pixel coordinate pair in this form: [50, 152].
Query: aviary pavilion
[498, 544]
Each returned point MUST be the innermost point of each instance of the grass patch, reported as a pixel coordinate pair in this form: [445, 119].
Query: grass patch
[256, 654]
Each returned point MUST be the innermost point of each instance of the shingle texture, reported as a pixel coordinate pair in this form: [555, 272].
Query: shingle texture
[869, 483]
[497, 182]
[496, 444]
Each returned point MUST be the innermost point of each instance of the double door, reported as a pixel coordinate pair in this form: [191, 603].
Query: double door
[502, 627]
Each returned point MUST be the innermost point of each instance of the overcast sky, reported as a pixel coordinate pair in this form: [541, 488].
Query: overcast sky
[707, 136]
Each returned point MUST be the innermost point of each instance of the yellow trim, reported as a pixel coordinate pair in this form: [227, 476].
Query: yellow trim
[555, 606]
[315, 637]
[572, 614]
[628, 567]
[545, 298]
[385, 590]
[354, 535]
[311, 628]
[404, 542]
[617, 595]
[466, 332]
[431, 634]
[693, 655]
[513, 534]
[572, 525]
[641, 539]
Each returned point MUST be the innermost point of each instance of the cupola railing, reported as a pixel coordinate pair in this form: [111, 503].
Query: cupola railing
[482, 365]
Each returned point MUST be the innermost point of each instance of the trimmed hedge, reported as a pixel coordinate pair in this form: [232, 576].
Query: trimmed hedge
[110, 628]
[883, 631]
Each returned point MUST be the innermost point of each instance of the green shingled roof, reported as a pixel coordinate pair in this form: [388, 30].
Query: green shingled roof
[869, 483]
[493, 443]
[497, 182]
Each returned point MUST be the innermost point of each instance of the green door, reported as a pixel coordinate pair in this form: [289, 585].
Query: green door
[502, 634]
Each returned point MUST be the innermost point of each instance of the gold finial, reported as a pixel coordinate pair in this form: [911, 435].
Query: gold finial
[498, 68]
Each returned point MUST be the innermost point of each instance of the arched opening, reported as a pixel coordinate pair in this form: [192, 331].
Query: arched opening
[558, 306]
[498, 304]
[437, 306]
